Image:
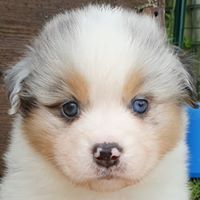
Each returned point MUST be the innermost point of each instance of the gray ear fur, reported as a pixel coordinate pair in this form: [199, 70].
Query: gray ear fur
[190, 90]
[14, 78]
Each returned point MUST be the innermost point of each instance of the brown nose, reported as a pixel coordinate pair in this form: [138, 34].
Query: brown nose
[107, 154]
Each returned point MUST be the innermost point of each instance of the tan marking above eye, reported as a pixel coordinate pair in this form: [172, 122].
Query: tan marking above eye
[132, 85]
[69, 86]
[78, 86]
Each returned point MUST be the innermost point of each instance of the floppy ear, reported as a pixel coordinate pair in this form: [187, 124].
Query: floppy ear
[190, 94]
[14, 80]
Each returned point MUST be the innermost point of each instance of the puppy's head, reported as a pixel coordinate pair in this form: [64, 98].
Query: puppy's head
[101, 96]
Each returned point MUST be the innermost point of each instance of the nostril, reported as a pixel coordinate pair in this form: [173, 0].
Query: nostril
[114, 157]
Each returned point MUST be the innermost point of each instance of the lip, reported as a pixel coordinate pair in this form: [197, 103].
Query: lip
[108, 177]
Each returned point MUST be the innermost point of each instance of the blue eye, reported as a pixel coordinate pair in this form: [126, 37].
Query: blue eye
[139, 105]
[70, 109]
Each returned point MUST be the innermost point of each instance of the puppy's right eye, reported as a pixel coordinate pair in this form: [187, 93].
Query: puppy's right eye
[70, 109]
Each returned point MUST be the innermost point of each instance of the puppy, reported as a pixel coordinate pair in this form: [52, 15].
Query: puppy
[99, 111]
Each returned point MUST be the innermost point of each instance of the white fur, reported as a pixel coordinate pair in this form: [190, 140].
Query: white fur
[105, 45]
[167, 181]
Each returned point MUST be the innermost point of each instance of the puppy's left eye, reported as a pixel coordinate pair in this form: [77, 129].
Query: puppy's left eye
[70, 109]
[139, 106]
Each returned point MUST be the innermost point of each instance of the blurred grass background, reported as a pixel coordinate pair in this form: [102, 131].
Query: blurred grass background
[194, 186]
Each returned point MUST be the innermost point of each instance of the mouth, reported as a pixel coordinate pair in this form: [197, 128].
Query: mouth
[107, 180]
[107, 177]
[108, 174]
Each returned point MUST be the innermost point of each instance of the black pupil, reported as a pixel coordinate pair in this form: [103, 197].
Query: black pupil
[70, 109]
[140, 106]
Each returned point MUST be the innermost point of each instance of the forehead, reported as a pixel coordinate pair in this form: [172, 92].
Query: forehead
[101, 53]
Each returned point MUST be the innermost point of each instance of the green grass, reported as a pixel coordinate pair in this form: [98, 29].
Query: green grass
[195, 189]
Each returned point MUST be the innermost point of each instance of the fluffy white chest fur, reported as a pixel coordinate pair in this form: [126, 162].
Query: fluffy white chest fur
[99, 103]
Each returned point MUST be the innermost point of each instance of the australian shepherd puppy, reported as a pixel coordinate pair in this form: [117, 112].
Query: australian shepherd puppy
[99, 111]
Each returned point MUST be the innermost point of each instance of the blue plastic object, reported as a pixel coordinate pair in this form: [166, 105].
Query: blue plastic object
[193, 139]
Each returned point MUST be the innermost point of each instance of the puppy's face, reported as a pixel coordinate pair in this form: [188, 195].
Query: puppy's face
[101, 94]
